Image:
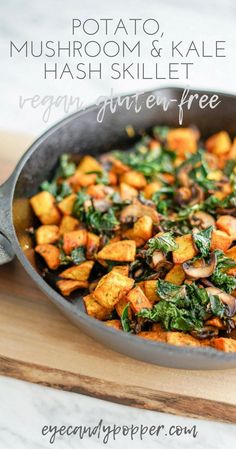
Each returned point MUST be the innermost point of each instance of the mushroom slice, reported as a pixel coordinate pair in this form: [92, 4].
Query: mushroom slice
[206, 332]
[202, 219]
[131, 213]
[227, 299]
[203, 271]
[183, 175]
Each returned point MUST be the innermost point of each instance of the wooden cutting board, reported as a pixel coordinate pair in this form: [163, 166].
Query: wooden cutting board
[38, 344]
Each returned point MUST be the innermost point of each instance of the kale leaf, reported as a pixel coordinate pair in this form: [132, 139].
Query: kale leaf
[220, 278]
[202, 240]
[125, 318]
[164, 243]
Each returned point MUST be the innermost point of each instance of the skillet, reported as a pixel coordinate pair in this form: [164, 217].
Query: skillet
[81, 134]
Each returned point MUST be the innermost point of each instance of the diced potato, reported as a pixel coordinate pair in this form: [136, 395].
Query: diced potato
[224, 344]
[141, 231]
[43, 204]
[138, 300]
[113, 179]
[89, 164]
[66, 205]
[216, 322]
[227, 224]
[122, 269]
[232, 254]
[96, 191]
[134, 179]
[93, 242]
[47, 234]
[116, 324]
[79, 272]
[185, 250]
[51, 255]
[151, 188]
[149, 289]
[123, 251]
[66, 287]
[181, 339]
[74, 239]
[152, 335]
[111, 288]
[120, 307]
[86, 180]
[118, 167]
[219, 143]
[94, 309]
[220, 240]
[68, 224]
[182, 140]
[176, 275]
[224, 191]
[127, 192]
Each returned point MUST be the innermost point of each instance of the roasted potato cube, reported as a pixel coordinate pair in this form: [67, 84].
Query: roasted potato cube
[224, 344]
[151, 188]
[111, 288]
[68, 224]
[138, 300]
[127, 192]
[94, 309]
[93, 242]
[186, 249]
[220, 240]
[96, 191]
[227, 224]
[66, 205]
[219, 143]
[149, 289]
[182, 140]
[120, 307]
[88, 164]
[118, 167]
[152, 335]
[123, 251]
[216, 322]
[47, 234]
[51, 255]
[122, 269]
[232, 254]
[74, 239]
[79, 272]
[116, 324]
[43, 204]
[141, 231]
[84, 180]
[181, 339]
[134, 179]
[66, 287]
[176, 275]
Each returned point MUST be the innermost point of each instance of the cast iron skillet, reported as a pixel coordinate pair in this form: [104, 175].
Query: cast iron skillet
[81, 133]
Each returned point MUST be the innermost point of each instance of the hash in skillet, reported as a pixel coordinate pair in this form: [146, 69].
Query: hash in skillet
[148, 236]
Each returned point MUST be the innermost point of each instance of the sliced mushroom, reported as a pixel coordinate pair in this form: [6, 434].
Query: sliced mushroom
[157, 257]
[202, 219]
[203, 271]
[197, 195]
[183, 175]
[183, 195]
[227, 299]
[159, 263]
[131, 213]
[206, 332]
[102, 205]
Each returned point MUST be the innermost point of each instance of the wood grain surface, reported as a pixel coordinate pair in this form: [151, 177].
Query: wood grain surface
[38, 344]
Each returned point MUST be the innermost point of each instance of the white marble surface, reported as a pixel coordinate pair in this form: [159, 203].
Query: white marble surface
[26, 408]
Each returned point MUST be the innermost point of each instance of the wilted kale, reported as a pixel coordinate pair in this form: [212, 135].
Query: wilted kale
[147, 162]
[200, 170]
[183, 308]
[164, 243]
[65, 169]
[101, 222]
[220, 278]
[78, 208]
[125, 318]
[202, 240]
[77, 256]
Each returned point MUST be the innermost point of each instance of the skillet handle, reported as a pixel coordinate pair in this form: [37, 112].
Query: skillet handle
[6, 250]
